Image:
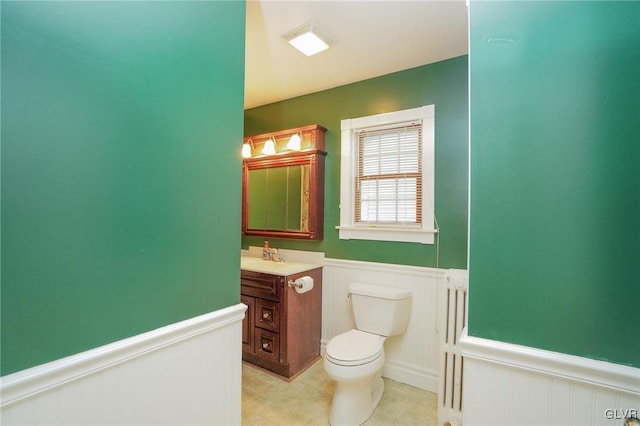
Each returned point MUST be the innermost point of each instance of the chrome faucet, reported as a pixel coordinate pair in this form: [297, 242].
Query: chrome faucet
[275, 256]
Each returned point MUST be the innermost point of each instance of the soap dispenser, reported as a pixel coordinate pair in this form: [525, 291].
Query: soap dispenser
[266, 251]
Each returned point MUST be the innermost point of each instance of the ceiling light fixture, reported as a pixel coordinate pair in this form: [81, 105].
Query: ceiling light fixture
[308, 39]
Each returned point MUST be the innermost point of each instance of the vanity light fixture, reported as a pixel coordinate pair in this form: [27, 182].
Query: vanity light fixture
[295, 142]
[247, 147]
[269, 147]
[309, 39]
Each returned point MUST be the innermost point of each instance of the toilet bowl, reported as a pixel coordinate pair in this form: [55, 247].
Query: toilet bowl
[354, 359]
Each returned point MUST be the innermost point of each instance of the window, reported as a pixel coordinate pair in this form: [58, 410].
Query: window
[387, 177]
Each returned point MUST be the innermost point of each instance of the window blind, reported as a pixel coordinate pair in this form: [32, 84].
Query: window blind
[388, 184]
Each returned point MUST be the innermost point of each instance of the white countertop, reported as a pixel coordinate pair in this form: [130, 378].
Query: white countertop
[256, 264]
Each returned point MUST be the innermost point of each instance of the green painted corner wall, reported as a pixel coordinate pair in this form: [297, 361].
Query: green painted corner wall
[116, 122]
[444, 84]
[555, 176]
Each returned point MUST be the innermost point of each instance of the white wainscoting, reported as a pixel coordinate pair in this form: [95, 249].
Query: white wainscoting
[413, 357]
[183, 374]
[506, 384]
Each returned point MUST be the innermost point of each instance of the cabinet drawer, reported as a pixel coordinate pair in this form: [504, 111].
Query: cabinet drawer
[267, 314]
[267, 344]
[261, 285]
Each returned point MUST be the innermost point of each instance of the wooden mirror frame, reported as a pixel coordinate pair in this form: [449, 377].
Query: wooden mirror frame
[312, 153]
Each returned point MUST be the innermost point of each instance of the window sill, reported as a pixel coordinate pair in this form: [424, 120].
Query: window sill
[375, 233]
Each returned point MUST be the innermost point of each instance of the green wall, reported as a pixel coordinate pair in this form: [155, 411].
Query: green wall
[555, 176]
[443, 84]
[120, 207]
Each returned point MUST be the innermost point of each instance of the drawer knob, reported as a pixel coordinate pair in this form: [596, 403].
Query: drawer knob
[265, 345]
[266, 315]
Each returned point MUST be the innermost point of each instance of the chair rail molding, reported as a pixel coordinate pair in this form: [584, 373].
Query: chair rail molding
[619, 378]
[170, 375]
[531, 386]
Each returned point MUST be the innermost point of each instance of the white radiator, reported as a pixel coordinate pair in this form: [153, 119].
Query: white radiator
[452, 320]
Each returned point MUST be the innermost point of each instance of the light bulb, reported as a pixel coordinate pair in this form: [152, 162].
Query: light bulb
[269, 147]
[294, 142]
[246, 150]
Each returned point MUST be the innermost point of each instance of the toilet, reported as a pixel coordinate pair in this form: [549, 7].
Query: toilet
[355, 359]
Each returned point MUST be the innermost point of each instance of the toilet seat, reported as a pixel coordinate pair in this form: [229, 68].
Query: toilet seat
[355, 347]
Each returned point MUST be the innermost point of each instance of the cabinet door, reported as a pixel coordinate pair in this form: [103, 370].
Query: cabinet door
[247, 324]
[268, 314]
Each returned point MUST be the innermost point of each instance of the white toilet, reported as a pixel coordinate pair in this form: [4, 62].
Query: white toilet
[354, 359]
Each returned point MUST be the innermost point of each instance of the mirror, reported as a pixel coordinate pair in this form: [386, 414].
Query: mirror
[283, 193]
[279, 198]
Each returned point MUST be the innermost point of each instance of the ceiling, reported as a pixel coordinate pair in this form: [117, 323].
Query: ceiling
[371, 38]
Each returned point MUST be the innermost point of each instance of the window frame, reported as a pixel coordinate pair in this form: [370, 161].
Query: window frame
[412, 233]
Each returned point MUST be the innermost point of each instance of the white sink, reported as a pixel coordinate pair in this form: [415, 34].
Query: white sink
[256, 264]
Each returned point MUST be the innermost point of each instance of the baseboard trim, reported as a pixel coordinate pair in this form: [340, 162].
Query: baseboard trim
[422, 379]
[27, 383]
[619, 378]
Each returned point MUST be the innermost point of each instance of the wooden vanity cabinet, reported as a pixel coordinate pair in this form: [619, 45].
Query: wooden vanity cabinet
[281, 329]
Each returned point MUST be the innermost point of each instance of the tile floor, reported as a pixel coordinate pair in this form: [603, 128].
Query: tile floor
[306, 400]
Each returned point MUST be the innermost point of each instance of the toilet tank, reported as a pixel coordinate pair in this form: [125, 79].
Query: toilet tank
[380, 310]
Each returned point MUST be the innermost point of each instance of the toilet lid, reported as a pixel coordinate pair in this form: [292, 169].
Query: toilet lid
[355, 347]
